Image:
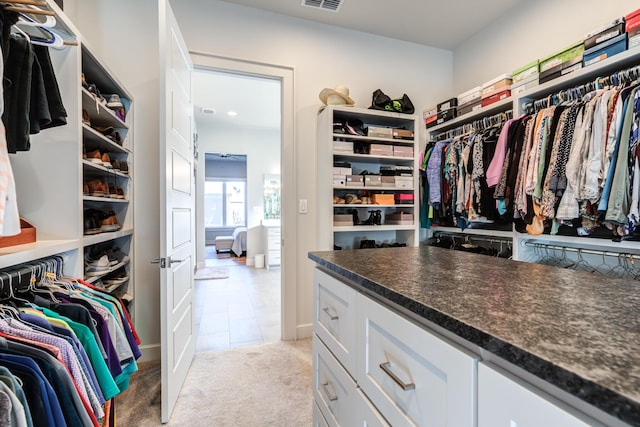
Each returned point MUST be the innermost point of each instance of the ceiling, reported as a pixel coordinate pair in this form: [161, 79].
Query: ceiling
[436, 23]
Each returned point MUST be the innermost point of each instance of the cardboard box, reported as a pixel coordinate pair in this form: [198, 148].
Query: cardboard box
[446, 115]
[382, 199]
[399, 218]
[355, 181]
[525, 72]
[550, 73]
[342, 171]
[524, 85]
[345, 146]
[470, 96]
[404, 182]
[372, 181]
[343, 220]
[431, 121]
[496, 85]
[402, 151]
[381, 150]
[497, 97]
[27, 235]
[571, 66]
[339, 180]
[448, 104]
[605, 50]
[469, 108]
[433, 111]
[634, 41]
[403, 134]
[379, 132]
[632, 20]
[404, 170]
[388, 181]
[604, 33]
[404, 198]
[566, 54]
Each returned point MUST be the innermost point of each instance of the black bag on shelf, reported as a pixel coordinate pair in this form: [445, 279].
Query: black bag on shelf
[380, 101]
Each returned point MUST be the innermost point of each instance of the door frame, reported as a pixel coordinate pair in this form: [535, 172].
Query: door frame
[288, 222]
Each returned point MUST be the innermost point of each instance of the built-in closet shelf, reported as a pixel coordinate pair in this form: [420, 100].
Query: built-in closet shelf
[355, 205]
[627, 59]
[367, 158]
[393, 141]
[104, 79]
[88, 166]
[579, 242]
[349, 228]
[90, 135]
[105, 237]
[473, 231]
[93, 279]
[496, 107]
[104, 199]
[13, 255]
[375, 189]
[99, 113]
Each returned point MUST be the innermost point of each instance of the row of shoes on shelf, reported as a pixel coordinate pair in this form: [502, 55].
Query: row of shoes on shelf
[113, 103]
[375, 217]
[100, 188]
[372, 244]
[102, 158]
[108, 132]
[97, 221]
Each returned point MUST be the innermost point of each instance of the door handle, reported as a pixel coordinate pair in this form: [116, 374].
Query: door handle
[164, 261]
[386, 367]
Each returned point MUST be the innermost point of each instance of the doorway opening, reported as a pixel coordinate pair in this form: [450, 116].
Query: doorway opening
[237, 117]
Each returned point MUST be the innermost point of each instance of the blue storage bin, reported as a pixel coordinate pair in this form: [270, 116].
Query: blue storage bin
[605, 50]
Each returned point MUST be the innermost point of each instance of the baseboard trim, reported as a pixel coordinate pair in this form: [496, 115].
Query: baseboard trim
[150, 353]
[304, 331]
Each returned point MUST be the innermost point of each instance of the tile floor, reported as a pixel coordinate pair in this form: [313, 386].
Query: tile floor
[241, 310]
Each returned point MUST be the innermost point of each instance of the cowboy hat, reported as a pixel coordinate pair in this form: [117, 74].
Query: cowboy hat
[339, 95]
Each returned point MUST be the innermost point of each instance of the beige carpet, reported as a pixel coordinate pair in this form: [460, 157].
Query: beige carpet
[264, 385]
[207, 273]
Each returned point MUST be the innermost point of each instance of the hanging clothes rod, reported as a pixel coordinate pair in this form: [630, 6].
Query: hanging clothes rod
[466, 236]
[477, 125]
[580, 250]
[39, 3]
[575, 93]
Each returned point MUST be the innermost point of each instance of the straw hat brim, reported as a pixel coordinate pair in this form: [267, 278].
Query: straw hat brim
[325, 93]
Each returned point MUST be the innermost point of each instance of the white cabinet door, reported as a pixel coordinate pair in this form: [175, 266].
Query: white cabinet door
[335, 317]
[334, 390]
[504, 401]
[412, 376]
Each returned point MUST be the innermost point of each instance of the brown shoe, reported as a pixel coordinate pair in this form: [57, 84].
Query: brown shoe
[124, 167]
[110, 222]
[96, 188]
[95, 157]
[106, 161]
[85, 117]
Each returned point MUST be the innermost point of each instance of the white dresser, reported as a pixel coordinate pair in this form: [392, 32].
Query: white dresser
[271, 238]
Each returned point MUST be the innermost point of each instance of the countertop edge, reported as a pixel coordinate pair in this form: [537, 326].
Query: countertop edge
[609, 401]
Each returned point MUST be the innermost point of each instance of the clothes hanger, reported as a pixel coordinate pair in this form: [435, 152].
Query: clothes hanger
[49, 21]
[45, 36]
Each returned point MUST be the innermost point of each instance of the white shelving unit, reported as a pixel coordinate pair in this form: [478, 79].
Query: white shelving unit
[523, 249]
[50, 176]
[349, 236]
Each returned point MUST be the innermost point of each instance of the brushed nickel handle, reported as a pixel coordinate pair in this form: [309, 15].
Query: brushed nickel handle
[331, 394]
[386, 367]
[333, 316]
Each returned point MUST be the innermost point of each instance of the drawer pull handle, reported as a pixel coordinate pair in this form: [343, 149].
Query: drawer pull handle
[333, 316]
[328, 390]
[386, 367]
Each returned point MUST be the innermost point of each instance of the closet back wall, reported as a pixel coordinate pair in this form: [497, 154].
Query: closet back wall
[321, 56]
[528, 32]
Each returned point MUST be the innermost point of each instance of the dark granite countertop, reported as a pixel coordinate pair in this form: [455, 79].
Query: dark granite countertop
[576, 330]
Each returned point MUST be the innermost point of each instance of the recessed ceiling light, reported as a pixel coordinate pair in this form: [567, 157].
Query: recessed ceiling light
[232, 113]
[205, 110]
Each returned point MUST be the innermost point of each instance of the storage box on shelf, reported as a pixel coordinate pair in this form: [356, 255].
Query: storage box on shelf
[357, 188]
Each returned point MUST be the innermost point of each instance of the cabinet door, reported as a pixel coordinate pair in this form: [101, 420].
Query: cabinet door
[504, 401]
[334, 317]
[333, 389]
[412, 376]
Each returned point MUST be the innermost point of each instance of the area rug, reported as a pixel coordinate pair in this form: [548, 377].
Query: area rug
[207, 273]
[263, 385]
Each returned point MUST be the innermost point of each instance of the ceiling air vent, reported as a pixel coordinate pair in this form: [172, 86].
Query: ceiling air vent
[332, 5]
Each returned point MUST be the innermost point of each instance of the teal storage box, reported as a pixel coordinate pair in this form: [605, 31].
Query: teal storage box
[605, 50]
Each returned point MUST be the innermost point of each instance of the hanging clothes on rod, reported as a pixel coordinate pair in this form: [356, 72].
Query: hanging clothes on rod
[76, 339]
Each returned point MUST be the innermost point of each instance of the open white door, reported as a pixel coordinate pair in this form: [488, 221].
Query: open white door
[177, 210]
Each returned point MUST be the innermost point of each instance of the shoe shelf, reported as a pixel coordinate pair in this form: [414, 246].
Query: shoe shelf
[89, 167]
[365, 155]
[96, 140]
[99, 113]
[104, 199]
[106, 236]
[113, 268]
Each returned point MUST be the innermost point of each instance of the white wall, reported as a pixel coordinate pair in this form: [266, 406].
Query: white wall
[529, 32]
[321, 56]
[123, 34]
[262, 149]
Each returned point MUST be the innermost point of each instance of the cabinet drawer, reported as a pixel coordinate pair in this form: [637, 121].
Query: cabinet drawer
[411, 375]
[273, 242]
[367, 414]
[274, 257]
[318, 418]
[335, 318]
[505, 401]
[333, 389]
